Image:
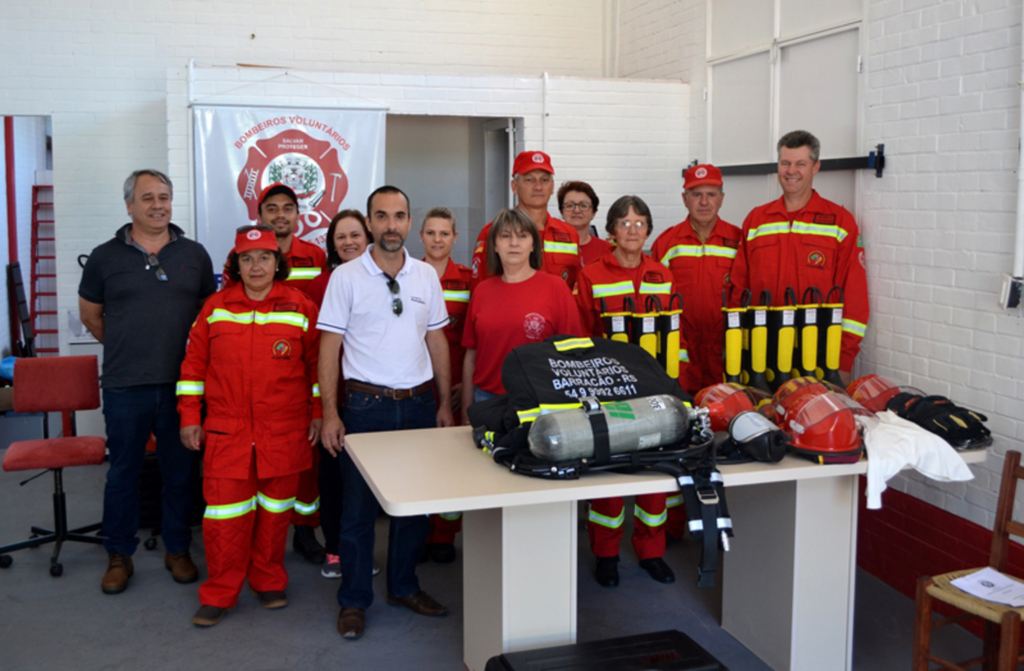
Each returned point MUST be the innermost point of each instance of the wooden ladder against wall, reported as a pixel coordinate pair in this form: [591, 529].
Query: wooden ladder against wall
[43, 282]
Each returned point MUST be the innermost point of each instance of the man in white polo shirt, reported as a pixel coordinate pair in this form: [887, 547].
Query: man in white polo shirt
[389, 310]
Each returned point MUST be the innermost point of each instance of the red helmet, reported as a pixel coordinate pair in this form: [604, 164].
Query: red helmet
[725, 400]
[875, 391]
[824, 428]
[792, 392]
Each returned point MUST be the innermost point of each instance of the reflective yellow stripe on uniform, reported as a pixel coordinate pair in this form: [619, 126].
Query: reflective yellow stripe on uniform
[451, 517]
[605, 521]
[316, 391]
[456, 296]
[552, 247]
[649, 519]
[296, 319]
[674, 501]
[624, 288]
[573, 343]
[306, 508]
[768, 229]
[697, 251]
[656, 288]
[803, 227]
[849, 325]
[684, 356]
[304, 273]
[190, 388]
[278, 505]
[230, 510]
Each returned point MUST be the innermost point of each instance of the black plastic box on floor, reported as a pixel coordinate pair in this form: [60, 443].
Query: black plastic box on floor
[662, 651]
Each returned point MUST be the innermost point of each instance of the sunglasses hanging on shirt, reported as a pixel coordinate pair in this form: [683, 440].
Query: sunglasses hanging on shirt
[154, 263]
[396, 301]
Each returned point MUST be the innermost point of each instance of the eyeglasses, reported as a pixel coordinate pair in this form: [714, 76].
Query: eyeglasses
[626, 225]
[396, 302]
[582, 207]
[154, 263]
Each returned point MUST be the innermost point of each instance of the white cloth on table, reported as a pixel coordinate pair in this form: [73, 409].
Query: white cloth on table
[895, 443]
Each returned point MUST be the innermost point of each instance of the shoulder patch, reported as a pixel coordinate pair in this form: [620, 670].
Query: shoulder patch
[860, 242]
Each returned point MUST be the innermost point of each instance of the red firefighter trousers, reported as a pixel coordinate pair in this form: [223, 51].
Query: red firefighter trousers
[604, 526]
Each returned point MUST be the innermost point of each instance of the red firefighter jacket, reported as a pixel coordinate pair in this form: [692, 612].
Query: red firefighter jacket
[456, 283]
[819, 246]
[255, 370]
[561, 252]
[701, 271]
[606, 279]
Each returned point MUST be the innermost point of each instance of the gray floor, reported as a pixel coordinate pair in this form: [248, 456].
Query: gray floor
[67, 622]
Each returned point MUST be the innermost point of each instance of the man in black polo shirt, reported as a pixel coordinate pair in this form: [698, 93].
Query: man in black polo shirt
[139, 295]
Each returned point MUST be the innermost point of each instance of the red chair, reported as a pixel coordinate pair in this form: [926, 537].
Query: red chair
[55, 384]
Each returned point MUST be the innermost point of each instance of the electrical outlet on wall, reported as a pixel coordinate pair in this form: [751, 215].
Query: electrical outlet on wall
[1009, 297]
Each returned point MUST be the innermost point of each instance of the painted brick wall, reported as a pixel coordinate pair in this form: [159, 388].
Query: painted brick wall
[942, 96]
[100, 69]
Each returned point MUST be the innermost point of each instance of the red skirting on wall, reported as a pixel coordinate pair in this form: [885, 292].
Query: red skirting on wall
[909, 538]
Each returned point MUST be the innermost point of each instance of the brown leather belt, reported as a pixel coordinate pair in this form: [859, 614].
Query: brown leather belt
[387, 392]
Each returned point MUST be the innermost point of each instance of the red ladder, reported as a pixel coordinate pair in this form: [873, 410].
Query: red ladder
[43, 281]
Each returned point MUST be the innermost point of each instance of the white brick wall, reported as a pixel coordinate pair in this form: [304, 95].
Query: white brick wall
[100, 69]
[942, 96]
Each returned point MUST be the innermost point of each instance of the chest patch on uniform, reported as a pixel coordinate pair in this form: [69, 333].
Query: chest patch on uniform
[286, 307]
[301, 262]
[824, 218]
[282, 349]
[733, 244]
[559, 236]
[456, 285]
[653, 277]
[816, 259]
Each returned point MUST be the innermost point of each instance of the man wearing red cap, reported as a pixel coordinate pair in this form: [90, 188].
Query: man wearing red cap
[251, 361]
[700, 252]
[802, 241]
[533, 183]
[279, 208]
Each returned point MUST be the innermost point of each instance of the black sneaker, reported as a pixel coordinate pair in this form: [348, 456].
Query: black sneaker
[607, 573]
[305, 543]
[658, 569]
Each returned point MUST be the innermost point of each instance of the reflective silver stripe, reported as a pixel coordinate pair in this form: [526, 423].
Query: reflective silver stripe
[190, 388]
[304, 273]
[552, 247]
[230, 510]
[723, 523]
[605, 521]
[624, 288]
[307, 508]
[456, 296]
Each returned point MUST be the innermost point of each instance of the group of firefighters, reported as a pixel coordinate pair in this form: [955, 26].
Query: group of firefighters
[799, 241]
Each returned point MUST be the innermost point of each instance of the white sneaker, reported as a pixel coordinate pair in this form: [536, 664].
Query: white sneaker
[332, 567]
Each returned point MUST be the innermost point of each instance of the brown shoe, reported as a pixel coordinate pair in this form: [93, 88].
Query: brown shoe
[420, 602]
[182, 568]
[351, 622]
[207, 616]
[119, 569]
[272, 600]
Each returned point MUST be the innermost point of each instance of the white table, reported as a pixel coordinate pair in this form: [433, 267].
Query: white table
[789, 592]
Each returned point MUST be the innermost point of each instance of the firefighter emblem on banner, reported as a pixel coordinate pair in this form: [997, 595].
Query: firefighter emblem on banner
[310, 167]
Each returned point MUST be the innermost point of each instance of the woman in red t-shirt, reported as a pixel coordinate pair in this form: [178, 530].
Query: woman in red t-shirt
[347, 239]
[516, 305]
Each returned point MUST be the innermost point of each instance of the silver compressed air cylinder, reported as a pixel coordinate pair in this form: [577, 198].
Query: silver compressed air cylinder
[636, 424]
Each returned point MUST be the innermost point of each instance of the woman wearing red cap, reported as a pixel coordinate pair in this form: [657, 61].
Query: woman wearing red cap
[251, 359]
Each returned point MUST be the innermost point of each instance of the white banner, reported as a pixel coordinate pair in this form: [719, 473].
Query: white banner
[332, 158]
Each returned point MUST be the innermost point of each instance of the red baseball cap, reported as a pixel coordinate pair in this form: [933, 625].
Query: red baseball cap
[274, 189]
[255, 238]
[532, 160]
[700, 175]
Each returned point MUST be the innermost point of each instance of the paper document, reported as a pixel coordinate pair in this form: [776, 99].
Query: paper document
[991, 585]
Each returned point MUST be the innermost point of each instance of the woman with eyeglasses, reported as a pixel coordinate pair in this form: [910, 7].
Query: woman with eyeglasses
[515, 306]
[603, 288]
[578, 204]
[251, 361]
[347, 239]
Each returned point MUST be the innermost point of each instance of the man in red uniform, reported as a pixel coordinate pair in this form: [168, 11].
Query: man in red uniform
[700, 252]
[279, 208]
[438, 234]
[802, 240]
[533, 183]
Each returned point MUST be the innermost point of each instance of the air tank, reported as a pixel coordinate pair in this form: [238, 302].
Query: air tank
[636, 424]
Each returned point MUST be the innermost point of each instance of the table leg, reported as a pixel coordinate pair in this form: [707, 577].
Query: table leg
[788, 587]
[519, 579]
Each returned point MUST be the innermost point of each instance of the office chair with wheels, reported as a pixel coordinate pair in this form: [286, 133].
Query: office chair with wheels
[55, 384]
[1002, 623]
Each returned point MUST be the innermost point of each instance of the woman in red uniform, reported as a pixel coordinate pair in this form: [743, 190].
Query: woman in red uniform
[578, 204]
[514, 306]
[625, 272]
[438, 234]
[251, 360]
[347, 239]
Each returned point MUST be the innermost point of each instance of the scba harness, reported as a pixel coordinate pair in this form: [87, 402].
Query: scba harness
[535, 377]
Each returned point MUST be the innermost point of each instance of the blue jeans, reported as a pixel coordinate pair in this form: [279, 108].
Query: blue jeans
[364, 413]
[480, 395]
[131, 414]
